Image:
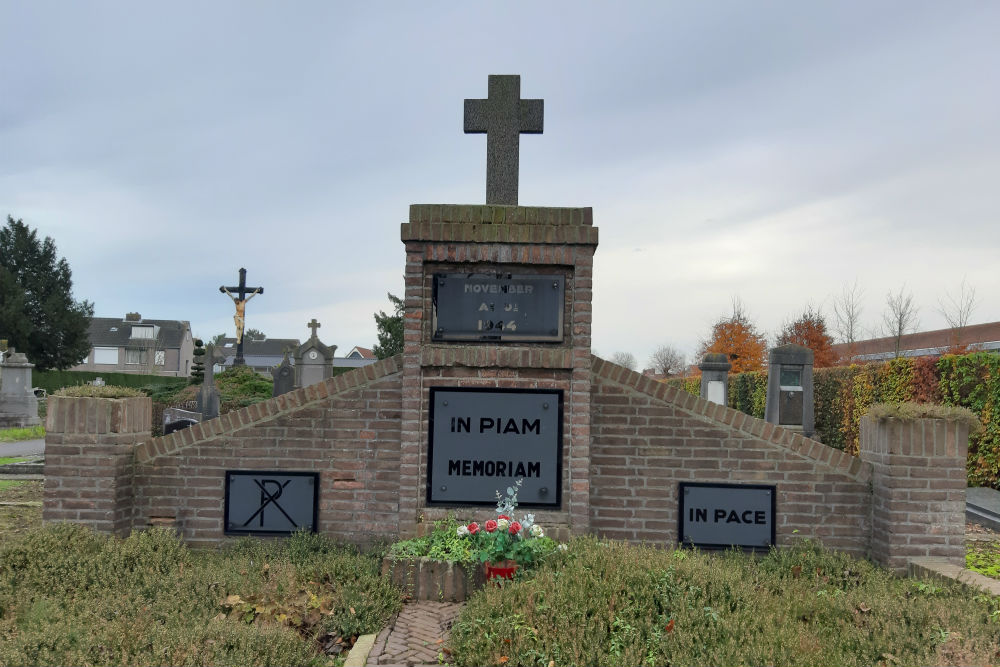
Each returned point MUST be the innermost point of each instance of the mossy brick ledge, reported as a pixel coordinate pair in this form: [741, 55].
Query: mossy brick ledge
[492, 214]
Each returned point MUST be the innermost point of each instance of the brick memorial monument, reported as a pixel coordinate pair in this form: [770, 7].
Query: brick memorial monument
[497, 382]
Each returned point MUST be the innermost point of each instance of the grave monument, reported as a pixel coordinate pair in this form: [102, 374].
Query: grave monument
[240, 301]
[313, 359]
[18, 405]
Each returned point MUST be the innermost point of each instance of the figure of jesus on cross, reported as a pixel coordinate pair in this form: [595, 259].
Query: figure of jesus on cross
[241, 305]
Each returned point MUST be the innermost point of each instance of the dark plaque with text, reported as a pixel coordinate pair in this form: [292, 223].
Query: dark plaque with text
[498, 307]
[482, 441]
[270, 503]
[719, 516]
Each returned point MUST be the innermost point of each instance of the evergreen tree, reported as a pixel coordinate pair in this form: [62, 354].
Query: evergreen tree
[198, 365]
[390, 330]
[38, 315]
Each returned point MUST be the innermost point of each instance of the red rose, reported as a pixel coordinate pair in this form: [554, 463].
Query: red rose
[473, 528]
[490, 525]
[515, 527]
[503, 516]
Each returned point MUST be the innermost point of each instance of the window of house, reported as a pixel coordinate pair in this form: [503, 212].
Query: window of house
[106, 355]
[133, 356]
[160, 358]
[143, 332]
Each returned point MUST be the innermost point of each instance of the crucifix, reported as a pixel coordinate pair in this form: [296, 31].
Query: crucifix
[314, 325]
[503, 117]
[240, 299]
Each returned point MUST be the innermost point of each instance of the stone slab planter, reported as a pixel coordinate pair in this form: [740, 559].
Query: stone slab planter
[436, 580]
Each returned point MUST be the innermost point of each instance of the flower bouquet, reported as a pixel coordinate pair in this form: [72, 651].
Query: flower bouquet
[505, 543]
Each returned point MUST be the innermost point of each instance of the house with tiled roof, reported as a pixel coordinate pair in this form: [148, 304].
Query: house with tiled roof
[360, 353]
[922, 344]
[135, 345]
[260, 355]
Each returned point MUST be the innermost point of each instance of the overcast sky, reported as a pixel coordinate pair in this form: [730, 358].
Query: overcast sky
[771, 151]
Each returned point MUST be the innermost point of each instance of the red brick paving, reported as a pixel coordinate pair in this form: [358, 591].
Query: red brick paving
[417, 636]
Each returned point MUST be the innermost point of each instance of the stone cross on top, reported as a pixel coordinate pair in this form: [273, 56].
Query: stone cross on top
[503, 117]
[314, 325]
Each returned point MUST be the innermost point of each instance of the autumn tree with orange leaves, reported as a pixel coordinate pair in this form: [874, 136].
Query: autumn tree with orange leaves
[737, 337]
[810, 331]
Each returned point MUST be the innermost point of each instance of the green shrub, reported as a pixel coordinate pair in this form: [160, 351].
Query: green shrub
[615, 604]
[53, 380]
[69, 596]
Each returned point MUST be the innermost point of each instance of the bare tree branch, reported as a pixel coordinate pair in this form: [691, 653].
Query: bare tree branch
[626, 359]
[958, 311]
[668, 361]
[900, 316]
[847, 312]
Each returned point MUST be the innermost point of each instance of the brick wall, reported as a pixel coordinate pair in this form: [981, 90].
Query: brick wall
[648, 436]
[512, 239]
[918, 485]
[89, 460]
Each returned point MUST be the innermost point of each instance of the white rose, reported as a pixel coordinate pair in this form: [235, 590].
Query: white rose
[463, 531]
[536, 531]
[503, 524]
[563, 547]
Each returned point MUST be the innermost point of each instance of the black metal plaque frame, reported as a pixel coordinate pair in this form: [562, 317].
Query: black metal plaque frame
[558, 393]
[283, 473]
[717, 547]
[438, 335]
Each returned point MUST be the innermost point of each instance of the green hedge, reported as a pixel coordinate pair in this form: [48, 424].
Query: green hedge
[843, 395]
[52, 380]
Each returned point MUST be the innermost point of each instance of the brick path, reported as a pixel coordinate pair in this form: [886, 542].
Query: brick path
[417, 636]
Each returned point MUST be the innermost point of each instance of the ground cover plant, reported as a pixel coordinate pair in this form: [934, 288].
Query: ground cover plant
[70, 596]
[984, 557]
[19, 434]
[613, 604]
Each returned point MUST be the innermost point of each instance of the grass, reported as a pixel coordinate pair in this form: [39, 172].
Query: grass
[18, 517]
[984, 557]
[18, 434]
[4, 460]
[70, 596]
[615, 604]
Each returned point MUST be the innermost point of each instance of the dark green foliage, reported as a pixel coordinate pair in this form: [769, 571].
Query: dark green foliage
[240, 386]
[38, 315]
[71, 597]
[390, 330]
[613, 604]
[254, 334]
[198, 365]
[53, 380]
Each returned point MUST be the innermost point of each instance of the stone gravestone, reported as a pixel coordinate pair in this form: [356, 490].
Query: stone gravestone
[208, 393]
[284, 377]
[790, 389]
[18, 405]
[715, 377]
[313, 359]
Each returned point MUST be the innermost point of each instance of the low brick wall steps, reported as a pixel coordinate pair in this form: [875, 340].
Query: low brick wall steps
[940, 568]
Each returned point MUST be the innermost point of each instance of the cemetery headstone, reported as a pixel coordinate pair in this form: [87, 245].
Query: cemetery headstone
[284, 377]
[715, 369]
[208, 393]
[313, 359]
[176, 419]
[790, 389]
[18, 405]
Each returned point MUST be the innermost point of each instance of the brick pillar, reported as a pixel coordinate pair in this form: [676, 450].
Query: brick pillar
[89, 460]
[918, 489]
[496, 238]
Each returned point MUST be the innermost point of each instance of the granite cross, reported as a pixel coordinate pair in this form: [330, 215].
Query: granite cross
[314, 325]
[503, 117]
[240, 316]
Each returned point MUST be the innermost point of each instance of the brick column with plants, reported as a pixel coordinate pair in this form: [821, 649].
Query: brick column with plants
[89, 458]
[918, 455]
